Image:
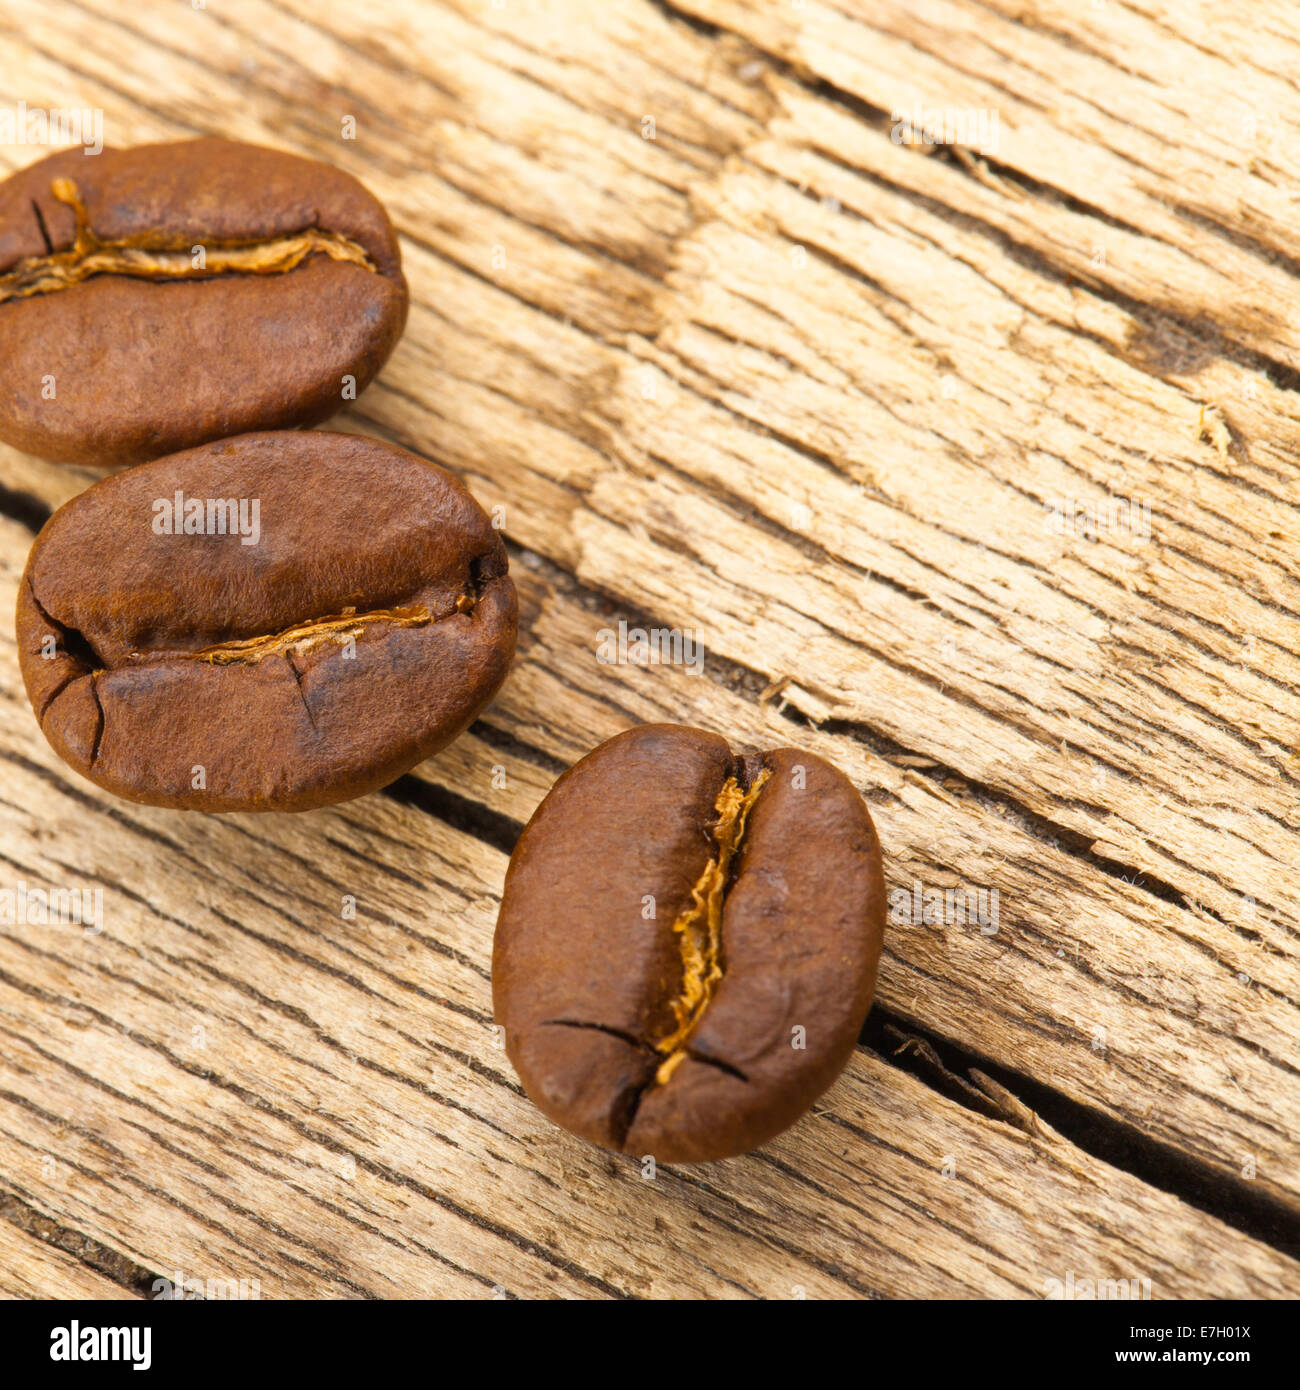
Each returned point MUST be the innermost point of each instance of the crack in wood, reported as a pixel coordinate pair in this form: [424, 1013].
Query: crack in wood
[102, 1259]
[939, 1062]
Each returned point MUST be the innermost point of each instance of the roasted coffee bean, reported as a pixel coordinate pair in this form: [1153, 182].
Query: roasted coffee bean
[688, 942]
[269, 623]
[155, 298]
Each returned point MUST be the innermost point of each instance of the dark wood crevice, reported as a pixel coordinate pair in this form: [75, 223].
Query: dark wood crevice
[460, 812]
[945, 1067]
[23, 508]
[111, 1264]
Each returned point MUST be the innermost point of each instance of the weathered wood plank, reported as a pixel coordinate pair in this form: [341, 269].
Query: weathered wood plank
[1166, 154]
[776, 379]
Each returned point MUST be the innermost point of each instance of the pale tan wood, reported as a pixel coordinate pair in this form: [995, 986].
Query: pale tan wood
[33, 1268]
[1099, 104]
[772, 377]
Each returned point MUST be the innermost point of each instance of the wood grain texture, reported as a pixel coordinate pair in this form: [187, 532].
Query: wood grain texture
[32, 1268]
[812, 394]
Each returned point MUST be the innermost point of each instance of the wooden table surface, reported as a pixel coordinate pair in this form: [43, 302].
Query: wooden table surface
[972, 467]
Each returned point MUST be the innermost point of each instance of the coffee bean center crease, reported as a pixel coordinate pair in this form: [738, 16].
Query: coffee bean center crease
[304, 636]
[699, 927]
[300, 637]
[162, 256]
